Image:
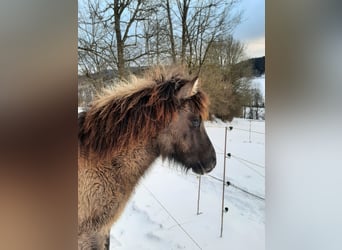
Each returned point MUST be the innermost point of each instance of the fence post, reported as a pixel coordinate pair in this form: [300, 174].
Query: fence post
[250, 130]
[224, 177]
[199, 194]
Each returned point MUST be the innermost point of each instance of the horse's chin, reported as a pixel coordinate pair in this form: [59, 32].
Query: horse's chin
[199, 169]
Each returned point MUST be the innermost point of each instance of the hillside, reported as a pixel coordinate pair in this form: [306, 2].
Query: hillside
[258, 65]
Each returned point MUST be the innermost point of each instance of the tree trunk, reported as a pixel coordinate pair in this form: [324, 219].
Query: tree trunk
[184, 29]
[120, 42]
[172, 39]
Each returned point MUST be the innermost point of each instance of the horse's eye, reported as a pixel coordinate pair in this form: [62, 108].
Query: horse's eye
[196, 122]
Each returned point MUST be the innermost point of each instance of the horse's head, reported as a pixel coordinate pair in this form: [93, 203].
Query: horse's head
[184, 140]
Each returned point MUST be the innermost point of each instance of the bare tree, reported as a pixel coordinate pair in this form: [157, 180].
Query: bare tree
[156, 36]
[127, 14]
[92, 56]
[120, 25]
[167, 6]
[194, 25]
[122, 33]
[90, 53]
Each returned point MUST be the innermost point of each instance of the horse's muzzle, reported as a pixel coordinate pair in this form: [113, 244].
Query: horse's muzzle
[201, 168]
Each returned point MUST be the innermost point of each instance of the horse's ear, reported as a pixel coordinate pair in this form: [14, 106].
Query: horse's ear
[189, 89]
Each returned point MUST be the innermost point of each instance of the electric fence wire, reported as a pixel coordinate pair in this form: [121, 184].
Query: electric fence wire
[250, 162]
[237, 128]
[254, 170]
[237, 187]
[168, 212]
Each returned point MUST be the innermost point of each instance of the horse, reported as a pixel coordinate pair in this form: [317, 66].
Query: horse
[124, 131]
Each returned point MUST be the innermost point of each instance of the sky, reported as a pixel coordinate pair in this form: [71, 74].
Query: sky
[251, 31]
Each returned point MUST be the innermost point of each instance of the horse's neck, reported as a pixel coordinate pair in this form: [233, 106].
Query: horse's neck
[131, 165]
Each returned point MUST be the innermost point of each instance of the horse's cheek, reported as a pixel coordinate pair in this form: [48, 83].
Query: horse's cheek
[165, 144]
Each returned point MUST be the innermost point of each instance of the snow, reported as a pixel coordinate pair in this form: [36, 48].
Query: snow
[162, 213]
[80, 109]
[259, 83]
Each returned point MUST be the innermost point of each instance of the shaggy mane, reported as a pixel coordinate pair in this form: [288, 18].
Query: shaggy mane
[134, 112]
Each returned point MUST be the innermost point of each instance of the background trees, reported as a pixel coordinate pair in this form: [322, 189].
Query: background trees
[226, 78]
[114, 33]
[121, 35]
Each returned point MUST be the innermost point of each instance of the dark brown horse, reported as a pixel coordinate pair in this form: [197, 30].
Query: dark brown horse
[123, 133]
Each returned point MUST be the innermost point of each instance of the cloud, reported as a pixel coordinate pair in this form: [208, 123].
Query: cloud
[255, 47]
[251, 31]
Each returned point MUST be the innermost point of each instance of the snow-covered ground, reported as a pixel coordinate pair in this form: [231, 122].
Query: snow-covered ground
[259, 83]
[162, 213]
